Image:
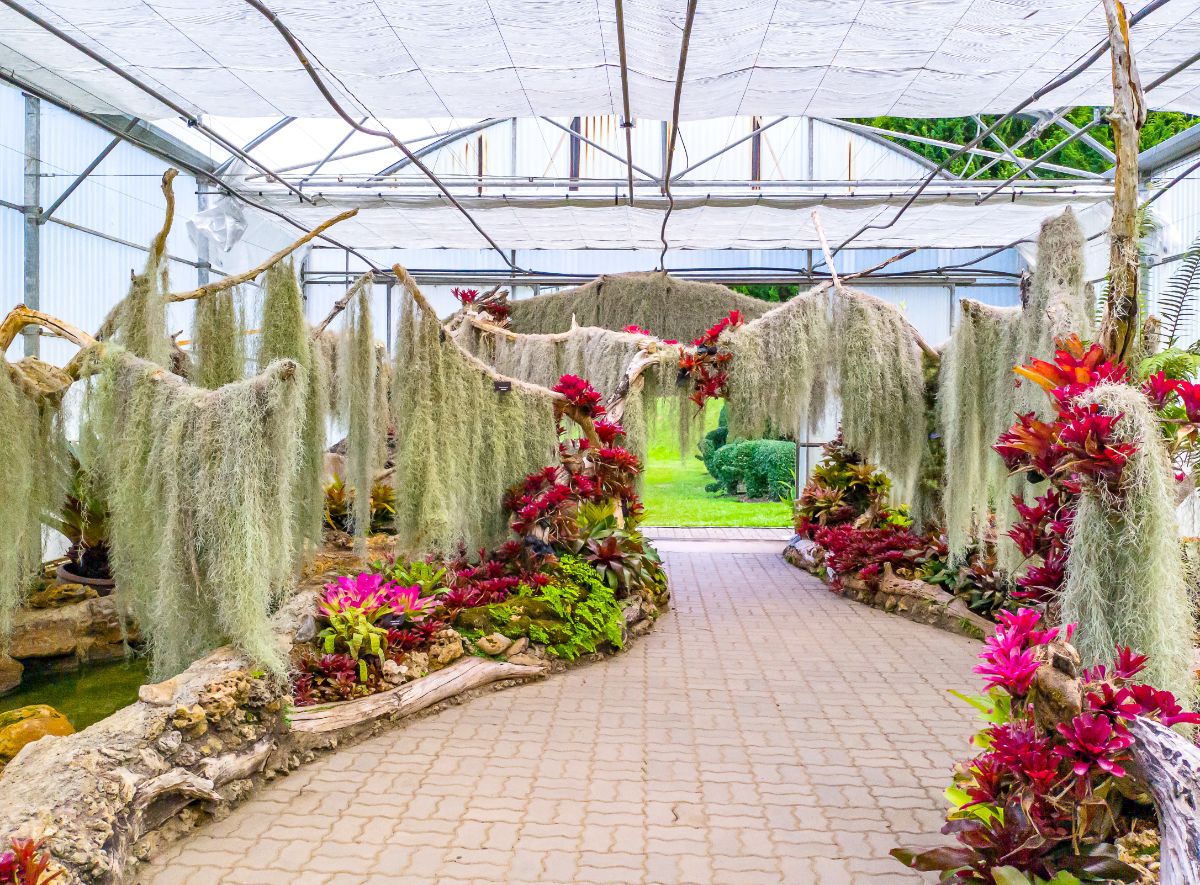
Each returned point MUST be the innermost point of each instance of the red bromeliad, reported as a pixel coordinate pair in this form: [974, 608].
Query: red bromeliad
[465, 296]
[1034, 795]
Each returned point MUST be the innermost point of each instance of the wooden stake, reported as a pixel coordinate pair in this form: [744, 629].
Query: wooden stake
[1118, 333]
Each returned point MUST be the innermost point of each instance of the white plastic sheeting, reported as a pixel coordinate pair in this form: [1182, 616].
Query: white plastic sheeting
[716, 222]
[473, 58]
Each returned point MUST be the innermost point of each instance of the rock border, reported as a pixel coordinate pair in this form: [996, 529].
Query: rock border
[192, 748]
[916, 600]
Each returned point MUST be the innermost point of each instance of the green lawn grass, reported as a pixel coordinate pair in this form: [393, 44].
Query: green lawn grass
[673, 491]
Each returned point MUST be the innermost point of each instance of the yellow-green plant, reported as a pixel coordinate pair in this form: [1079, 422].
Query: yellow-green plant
[460, 441]
[285, 335]
[199, 484]
[32, 442]
[977, 393]
[655, 301]
[1126, 582]
[218, 341]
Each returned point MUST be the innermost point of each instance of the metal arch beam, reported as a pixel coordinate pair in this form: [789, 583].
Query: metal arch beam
[1041, 124]
[169, 150]
[1079, 133]
[278, 125]
[754, 133]
[82, 176]
[1066, 77]
[650, 176]
[191, 119]
[329, 156]
[960, 149]
[445, 141]
[361, 152]
[906, 152]
[1082, 134]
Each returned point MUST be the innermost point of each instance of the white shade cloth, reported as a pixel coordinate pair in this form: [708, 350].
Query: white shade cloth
[484, 58]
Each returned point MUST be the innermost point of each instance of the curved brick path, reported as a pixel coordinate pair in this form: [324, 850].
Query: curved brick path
[766, 731]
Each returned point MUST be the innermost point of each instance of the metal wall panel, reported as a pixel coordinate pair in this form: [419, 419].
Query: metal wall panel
[12, 144]
[1178, 214]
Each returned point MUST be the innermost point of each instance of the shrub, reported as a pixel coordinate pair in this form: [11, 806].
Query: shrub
[842, 489]
[758, 468]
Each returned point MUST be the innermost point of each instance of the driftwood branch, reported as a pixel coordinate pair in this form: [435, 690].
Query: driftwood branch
[461, 676]
[341, 303]
[1118, 334]
[158, 245]
[1170, 765]
[21, 316]
[248, 275]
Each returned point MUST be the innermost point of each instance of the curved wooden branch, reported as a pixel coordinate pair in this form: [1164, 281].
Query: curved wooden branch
[158, 246]
[21, 316]
[252, 273]
[341, 303]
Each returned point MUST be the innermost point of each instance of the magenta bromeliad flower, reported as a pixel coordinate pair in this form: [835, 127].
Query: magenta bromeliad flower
[370, 592]
[1009, 668]
[1093, 742]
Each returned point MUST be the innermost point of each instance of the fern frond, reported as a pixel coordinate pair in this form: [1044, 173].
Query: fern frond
[1178, 301]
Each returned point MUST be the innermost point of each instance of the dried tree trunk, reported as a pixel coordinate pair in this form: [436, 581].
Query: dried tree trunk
[1118, 334]
[1170, 765]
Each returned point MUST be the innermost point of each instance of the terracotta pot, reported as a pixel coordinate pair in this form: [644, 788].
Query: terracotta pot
[104, 586]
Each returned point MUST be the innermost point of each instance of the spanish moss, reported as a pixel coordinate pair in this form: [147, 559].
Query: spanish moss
[665, 306]
[1126, 583]
[978, 396]
[31, 439]
[196, 481]
[461, 441]
[218, 341]
[357, 368]
[285, 335]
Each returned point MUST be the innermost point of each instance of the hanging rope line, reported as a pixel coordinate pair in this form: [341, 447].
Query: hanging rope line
[683, 54]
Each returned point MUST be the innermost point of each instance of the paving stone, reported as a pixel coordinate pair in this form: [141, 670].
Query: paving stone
[765, 731]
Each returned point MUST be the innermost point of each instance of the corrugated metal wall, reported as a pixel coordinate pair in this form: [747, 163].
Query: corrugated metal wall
[1178, 214]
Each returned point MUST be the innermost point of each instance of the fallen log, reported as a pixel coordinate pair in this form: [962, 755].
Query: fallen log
[461, 676]
[1170, 765]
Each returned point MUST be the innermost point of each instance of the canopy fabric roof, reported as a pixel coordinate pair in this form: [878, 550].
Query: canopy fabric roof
[717, 222]
[482, 58]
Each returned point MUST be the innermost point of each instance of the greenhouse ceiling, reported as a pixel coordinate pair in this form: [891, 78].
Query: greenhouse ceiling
[475, 58]
[391, 63]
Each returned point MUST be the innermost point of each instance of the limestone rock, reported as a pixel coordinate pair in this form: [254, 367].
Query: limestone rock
[10, 674]
[392, 673]
[493, 644]
[527, 659]
[190, 720]
[1057, 689]
[517, 647]
[44, 633]
[446, 648]
[159, 694]
[28, 724]
[56, 594]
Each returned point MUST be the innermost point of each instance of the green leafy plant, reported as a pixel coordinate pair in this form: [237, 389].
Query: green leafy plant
[427, 576]
[82, 517]
[843, 488]
[621, 558]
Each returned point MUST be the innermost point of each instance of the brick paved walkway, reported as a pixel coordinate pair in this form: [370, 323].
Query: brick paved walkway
[766, 731]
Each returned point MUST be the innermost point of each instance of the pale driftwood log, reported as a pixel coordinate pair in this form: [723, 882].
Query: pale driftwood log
[341, 303]
[1118, 333]
[1170, 765]
[239, 764]
[160, 798]
[461, 676]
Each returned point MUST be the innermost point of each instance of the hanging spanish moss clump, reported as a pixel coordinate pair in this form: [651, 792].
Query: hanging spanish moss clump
[977, 391]
[381, 408]
[462, 440]
[32, 442]
[1126, 584]
[881, 386]
[669, 308]
[197, 481]
[357, 367]
[779, 374]
[218, 341]
[285, 335]
[140, 319]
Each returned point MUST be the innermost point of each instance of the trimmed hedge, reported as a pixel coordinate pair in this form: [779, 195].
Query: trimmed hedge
[757, 468]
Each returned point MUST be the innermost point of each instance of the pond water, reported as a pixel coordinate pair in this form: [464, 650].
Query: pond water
[84, 696]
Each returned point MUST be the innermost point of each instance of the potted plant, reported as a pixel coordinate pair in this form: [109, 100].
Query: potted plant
[83, 518]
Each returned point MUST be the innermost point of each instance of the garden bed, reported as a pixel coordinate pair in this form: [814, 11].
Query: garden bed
[916, 600]
[195, 746]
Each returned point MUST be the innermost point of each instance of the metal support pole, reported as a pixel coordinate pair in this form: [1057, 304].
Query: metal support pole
[387, 316]
[202, 256]
[33, 211]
